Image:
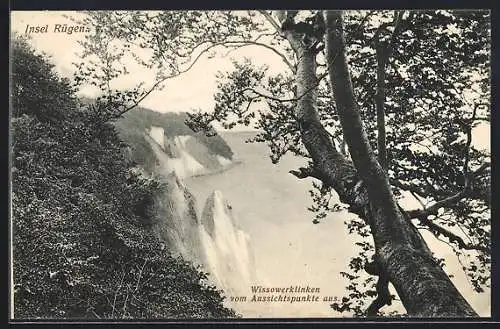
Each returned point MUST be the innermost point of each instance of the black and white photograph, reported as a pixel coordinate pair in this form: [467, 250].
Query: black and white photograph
[249, 164]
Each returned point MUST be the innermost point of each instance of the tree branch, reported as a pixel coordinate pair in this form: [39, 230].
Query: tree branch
[430, 190]
[398, 16]
[302, 173]
[250, 43]
[271, 20]
[265, 35]
[410, 187]
[116, 294]
[468, 176]
[417, 197]
[383, 296]
[382, 287]
[140, 275]
[433, 209]
[468, 131]
[382, 58]
[281, 100]
[157, 83]
[452, 237]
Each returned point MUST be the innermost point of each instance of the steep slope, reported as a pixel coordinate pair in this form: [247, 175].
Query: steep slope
[184, 155]
[229, 255]
[82, 240]
[176, 220]
[216, 242]
[174, 210]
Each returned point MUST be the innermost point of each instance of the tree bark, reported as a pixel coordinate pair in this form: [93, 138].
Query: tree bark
[382, 57]
[424, 288]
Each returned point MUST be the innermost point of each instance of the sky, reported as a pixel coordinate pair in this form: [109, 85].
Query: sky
[192, 90]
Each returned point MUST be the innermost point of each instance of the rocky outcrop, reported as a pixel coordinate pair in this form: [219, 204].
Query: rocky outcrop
[177, 222]
[229, 256]
[158, 135]
[215, 241]
[185, 155]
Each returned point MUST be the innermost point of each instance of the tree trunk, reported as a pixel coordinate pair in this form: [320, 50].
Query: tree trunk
[382, 58]
[424, 288]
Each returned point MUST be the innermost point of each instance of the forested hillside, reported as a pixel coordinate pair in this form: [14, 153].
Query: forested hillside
[80, 249]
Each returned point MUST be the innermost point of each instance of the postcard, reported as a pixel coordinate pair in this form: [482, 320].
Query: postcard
[249, 164]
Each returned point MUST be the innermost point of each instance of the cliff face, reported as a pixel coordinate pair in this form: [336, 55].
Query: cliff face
[177, 222]
[212, 240]
[228, 253]
[185, 155]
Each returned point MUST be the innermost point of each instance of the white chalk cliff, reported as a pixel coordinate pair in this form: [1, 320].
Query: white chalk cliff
[184, 154]
[229, 256]
[177, 223]
[213, 240]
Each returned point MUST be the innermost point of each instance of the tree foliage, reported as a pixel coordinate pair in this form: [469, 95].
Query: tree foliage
[436, 92]
[431, 108]
[82, 245]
